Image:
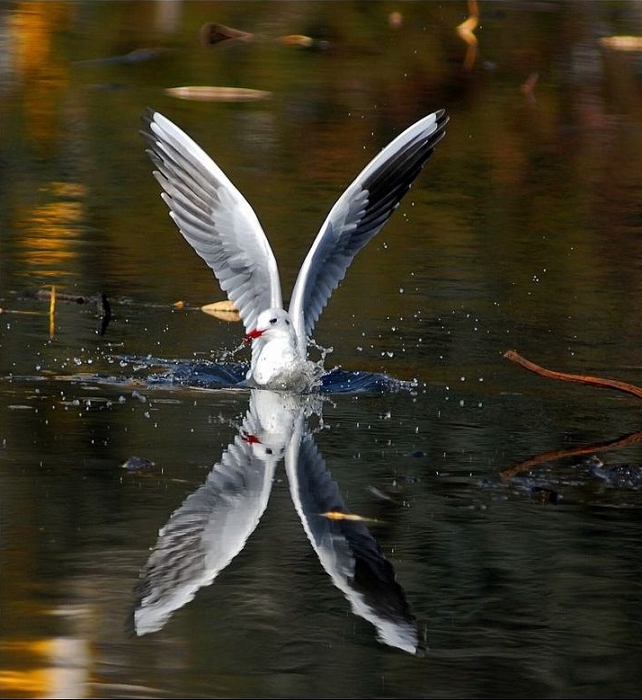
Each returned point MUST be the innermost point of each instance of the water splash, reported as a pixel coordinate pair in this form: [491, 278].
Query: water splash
[207, 374]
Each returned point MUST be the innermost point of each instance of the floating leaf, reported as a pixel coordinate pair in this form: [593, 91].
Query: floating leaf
[304, 42]
[297, 40]
[225, 310]
[338, 515]
[622, 43]
[209, 93]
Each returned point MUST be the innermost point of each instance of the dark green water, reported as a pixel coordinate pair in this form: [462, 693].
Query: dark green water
[523, 231]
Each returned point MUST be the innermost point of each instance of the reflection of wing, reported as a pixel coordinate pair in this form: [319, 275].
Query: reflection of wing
[347, 550]
[208, 530]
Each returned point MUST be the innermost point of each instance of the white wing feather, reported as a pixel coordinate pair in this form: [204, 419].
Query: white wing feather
[358, 215]
[215, 219]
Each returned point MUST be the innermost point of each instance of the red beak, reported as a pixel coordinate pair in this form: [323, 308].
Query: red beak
[252, 335]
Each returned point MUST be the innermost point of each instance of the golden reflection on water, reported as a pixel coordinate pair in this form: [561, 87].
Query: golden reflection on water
[60, 668]
[38, 73]
[52, 231]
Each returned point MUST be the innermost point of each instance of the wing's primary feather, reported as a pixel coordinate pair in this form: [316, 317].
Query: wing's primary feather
[214, 218]
[358, 215]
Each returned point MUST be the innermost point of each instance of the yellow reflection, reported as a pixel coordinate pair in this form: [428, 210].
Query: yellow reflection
[62, 668]
[36, 69]
[32, 682]
[52, 312]
[39, 80]
[52, 229]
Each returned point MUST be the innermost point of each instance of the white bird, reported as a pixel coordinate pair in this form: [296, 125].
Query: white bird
[217, 221]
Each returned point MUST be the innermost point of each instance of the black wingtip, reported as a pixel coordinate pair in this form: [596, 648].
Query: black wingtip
[441, 120]
[147, 117]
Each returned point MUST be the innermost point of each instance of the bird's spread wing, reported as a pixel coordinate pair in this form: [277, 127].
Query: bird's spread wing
[358, 215]
[215, 219]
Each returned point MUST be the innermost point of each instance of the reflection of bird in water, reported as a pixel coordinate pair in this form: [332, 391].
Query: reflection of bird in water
[218, 222]
[212, 525]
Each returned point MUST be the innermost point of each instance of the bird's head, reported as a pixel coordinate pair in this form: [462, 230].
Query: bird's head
[272, 322]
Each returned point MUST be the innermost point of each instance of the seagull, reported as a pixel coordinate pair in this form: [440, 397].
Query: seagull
[221, 226]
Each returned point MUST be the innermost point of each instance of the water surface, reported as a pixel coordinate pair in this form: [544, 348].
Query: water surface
[497, 560]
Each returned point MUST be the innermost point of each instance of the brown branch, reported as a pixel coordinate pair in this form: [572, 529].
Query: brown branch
[517, 359]
[572, 452]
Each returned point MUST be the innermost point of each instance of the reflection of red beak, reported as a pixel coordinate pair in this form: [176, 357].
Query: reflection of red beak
[251, 439]
[256, 333]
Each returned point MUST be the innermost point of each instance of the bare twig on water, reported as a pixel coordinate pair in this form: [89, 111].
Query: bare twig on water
[571, 452]
[517, 359]
[52, 312]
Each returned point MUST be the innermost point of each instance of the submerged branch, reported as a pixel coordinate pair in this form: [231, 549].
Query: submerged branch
[571, 452]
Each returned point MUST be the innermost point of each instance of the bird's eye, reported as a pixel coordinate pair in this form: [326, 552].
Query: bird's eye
[287, 323]
[273, 321]
[268, 450]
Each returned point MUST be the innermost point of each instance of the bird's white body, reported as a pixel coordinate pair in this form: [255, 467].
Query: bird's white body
[223, 229]
[276, 359]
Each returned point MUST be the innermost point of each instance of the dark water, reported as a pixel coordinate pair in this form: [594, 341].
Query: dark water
[480, 549]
